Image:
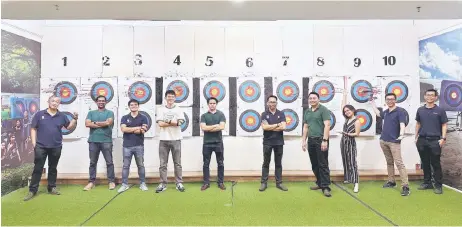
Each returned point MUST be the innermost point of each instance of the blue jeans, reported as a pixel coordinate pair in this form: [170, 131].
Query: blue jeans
[138, 152]
[106, 149]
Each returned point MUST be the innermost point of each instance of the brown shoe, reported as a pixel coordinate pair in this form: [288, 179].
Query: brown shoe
[222, 186]
[112, 186]
[315, 187]
[205, 187]
[89, 186]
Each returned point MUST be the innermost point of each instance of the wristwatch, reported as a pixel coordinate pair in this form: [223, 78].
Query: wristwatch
[443, 138]
[324, 140]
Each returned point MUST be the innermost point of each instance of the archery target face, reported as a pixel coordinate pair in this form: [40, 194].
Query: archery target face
[69, 116]
[406, 114]
[287, 91]
[148, 118]
[185, 124]
[250, 121]
[399, 88]
[214, 89]
[333, 120]
[325, 89]
[291, 119]
[102, 88]
[67, 91]
[453, 95]
[181, 90]
[361, 91]
[364, 118]
[249, 91]
[140, 91]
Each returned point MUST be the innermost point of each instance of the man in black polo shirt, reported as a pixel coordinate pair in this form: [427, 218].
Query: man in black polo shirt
[212, 123]
[430, 133]
[273, 124]
[47, 140]
[133, 125]
[390, 141]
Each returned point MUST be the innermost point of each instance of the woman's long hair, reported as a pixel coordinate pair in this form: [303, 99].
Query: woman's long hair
[351, 108]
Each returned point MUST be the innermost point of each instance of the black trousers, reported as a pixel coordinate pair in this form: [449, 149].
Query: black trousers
[207, 150]
[39, 161]
[430, 154]
[278, 151]
[319, 162]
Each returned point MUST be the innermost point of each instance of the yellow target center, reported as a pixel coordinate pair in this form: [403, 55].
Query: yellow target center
[101, 92]
[397, 91]
[288, 120]
[214, 92]
[288, 91]
[454, 95]
[361, 120]
[323, 91]
[249, 91]
[250, 121]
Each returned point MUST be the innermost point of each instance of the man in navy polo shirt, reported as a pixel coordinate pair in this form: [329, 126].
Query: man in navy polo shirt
[430, 132]
[47, 140]
[133, 125]
[394, 119]
[273, 124]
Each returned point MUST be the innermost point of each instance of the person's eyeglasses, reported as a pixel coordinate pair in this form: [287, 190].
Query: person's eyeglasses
[272, 102]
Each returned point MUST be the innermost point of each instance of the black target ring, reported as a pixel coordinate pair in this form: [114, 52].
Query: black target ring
[291, 119]
[140, 91]
[398, 86]
[185, 124]
[333, 120]
[325, 90]
[361, 91]
[69, 116]
[66, 91]
[102, 85]
[453, 95]
[148, 117]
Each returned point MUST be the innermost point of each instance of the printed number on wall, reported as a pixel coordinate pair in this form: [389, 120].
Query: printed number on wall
[249, 62]
[138, 59]
[285, 58]
[106, 61]
[389, 60]
[209, 61]
[320, 61]
[357, 62]
[177, 60]
[64, 61]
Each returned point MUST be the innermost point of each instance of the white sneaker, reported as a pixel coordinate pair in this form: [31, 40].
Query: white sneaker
[123, 188]
[161, 187]
[180, 187]
[143, 187]
[356, 188]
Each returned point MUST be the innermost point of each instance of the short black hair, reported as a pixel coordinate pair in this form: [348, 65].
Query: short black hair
[350, 107]
[170, 92]
[133, 100]
[432, 90]
[212, 98]
[271, 96]
[390, 94]
[313, 93]
[101, 96]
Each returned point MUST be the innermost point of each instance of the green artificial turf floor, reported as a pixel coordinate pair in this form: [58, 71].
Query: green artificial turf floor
[244, 205]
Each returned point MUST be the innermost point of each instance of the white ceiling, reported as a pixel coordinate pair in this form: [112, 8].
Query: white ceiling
[228, 10]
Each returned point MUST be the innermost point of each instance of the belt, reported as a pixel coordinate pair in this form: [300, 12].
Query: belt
[430, 137]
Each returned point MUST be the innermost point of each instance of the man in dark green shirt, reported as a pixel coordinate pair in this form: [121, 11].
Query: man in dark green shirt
[212, 123]
[316, 127]
[100, 122]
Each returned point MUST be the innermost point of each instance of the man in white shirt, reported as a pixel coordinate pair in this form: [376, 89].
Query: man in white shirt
[169, 117]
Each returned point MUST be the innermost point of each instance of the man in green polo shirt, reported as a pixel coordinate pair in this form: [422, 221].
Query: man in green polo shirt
[212, 123]
[100, 122]
[316, 127]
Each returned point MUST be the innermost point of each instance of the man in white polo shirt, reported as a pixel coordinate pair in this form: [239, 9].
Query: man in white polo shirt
[169, 117]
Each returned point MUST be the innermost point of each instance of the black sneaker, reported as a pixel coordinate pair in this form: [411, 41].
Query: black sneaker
[326, 193]
[405, 191]
[425, 186]
[54, 191]
[389, 185]
[29, 196]
[263, 187]
[282, 187]
[438, 190]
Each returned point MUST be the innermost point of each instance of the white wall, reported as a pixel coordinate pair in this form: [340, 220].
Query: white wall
[244, 153]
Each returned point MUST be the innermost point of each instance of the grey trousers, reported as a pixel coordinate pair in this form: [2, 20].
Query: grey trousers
[165, 146]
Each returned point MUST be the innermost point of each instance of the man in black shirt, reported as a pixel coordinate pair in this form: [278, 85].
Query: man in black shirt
[273, 124]
[430, 131]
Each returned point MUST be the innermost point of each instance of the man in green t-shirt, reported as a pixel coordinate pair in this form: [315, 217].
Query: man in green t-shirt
[316, 127]
[100, 122]
[212, 123]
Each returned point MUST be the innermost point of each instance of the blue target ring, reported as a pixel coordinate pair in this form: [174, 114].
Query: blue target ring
[66, 91]
[102, 88]
[181, 90]
[140, 91]
[333, 120]
[287, 91]
[399, 88]
[250, 120]
[291, 119]
[148, 117]
[69, 116]
[325, 89]
[249, 91]
[453, 95]
[214, 89]
[185, 124]
[361, 91]
[365, 119]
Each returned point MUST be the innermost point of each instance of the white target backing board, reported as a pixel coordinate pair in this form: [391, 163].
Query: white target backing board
[250, 92]
[141, 89]
[186, 127]
[72, 51]
[115, 128]
[148, 51]
[217, 87]
[267, 49]
[289, 92]
[150, 115]
[360, 89]
[398, 85]
[117, 59]
[336, 123]
[209, 46]
[225, 111]
[358, 50]
[330, 90]
[179, 51]
[93, 87]
[294, 121]
[239, 51]
[248, 122]
[328, 49]
[183, 87]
